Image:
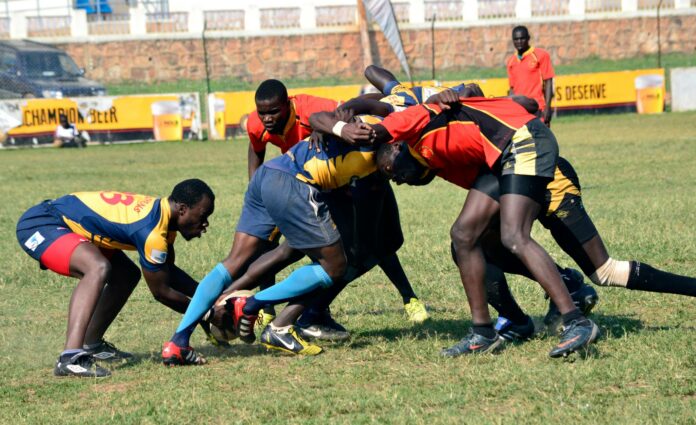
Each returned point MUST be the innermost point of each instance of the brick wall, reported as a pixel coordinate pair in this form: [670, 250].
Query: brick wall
[339, 54]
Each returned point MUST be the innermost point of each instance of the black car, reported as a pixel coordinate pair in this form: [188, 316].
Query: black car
[31, 69]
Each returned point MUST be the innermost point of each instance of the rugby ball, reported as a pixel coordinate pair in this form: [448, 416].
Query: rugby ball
[226, 330]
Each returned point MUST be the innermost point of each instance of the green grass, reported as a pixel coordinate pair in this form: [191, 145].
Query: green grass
[637, 174]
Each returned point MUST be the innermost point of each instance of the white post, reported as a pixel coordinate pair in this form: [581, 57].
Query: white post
[576, 7]
[416, 12]
[523, 9]
[252, 18]
[138, 20]
[308, 15]
[682, 4]
[18, 26]
[629, 5]
[78, 23]
[470, 10]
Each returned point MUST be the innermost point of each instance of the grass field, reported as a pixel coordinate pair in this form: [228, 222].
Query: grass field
[638, 178]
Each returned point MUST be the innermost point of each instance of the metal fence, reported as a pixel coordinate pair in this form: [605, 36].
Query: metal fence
[224, 20]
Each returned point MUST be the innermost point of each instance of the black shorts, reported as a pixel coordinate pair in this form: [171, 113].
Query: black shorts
[533, 151]
[367, 217]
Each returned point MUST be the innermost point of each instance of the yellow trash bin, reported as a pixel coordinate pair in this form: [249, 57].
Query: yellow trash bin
[650, 94]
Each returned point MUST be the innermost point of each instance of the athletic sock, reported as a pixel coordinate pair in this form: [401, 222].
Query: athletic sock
[485, 330]
[300, 282]
[574, 314]
[206, 293]
[643, 277]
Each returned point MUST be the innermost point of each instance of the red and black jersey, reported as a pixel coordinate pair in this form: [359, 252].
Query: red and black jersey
[297, 127]
[459, 141]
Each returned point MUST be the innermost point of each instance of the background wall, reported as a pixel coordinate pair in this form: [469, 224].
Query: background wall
[338, 54]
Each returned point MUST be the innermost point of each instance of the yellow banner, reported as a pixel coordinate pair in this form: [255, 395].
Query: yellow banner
[163, 116]
[579, 91]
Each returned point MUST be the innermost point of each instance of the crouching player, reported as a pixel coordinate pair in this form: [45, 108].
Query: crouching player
[82, 235]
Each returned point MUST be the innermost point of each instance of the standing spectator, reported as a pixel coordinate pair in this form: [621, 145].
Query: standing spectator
[530, 73]
[67, 136]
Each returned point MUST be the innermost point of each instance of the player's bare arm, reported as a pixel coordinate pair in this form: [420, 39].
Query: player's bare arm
[255, 159]
[161, 285]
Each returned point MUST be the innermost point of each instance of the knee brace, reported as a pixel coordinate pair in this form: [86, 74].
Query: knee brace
[612, 273]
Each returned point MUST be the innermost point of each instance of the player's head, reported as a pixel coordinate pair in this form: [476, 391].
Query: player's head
[520, 38]
[192, 203]
[396, 163]
[272, 105]
[63, 120]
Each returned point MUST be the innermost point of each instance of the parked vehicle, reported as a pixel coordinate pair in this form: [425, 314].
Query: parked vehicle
[32, 69]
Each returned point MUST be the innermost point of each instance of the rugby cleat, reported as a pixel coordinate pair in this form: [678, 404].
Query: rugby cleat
[244, 323]
[81, 365]
[585, 299]
[264, 319]
[321, 326]
[287, 340]
[512, 332]
[415, 310]
[173, 355]
[106, 351]
[577, 335]
[473, 344]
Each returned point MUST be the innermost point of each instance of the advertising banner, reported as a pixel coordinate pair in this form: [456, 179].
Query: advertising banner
[603, 91]
[107, 118]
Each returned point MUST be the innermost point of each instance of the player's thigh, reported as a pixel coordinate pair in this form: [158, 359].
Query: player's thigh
[474, 218]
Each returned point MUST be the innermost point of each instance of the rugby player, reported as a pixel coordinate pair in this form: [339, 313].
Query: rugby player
[565, 216]
[501, 135]
[530, 73]
[285, 192]
[82, 235]
[283, 121]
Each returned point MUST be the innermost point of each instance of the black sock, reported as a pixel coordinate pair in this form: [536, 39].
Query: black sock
[574, 314]
[484, 330]
[570, 279]
[643, 277]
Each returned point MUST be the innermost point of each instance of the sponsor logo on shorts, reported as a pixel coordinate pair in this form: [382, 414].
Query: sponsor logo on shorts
[34, 241]
[159, 257]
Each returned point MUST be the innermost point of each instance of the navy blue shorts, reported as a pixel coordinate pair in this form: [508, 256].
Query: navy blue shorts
[38, 228]
[275, 198]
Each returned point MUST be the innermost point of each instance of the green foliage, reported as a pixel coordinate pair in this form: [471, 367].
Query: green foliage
[637, 174]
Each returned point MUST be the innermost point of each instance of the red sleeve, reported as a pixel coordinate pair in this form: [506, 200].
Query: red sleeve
[409, 123]
[306, 105]
[255, 131]
[545, 66]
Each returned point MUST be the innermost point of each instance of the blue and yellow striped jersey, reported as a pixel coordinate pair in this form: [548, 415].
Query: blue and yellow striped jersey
[120, 220]
[400, 96]
[337, 165]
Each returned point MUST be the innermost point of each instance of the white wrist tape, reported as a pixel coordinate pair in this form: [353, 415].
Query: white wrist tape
[338, 127]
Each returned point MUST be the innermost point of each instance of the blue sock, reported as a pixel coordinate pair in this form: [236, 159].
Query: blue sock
[302, 281]
[207, 292]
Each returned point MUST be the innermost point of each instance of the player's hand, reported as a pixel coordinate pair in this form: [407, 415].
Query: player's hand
[357, 133]
[546, 118]
[445, 99]
[316, 141]
[345, 115]
[471, 90]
